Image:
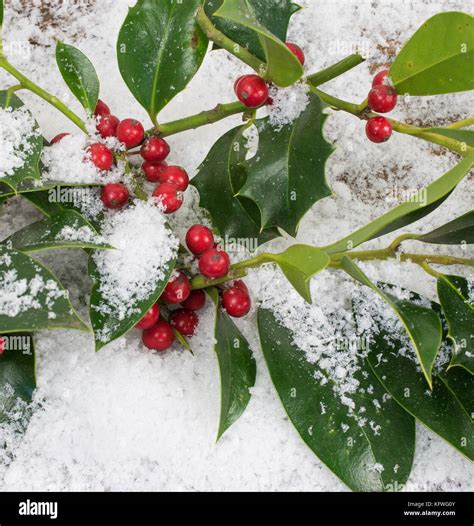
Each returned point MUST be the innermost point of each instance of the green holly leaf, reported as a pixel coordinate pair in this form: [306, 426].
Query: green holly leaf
[283, 68]
[453, 293]
[286, 177]
[1, 14]
[273, 16]
[461, 385]
[32, 297]
[457, 232]
[65, 229]
[79, 74]
[438, 58]
[17, 375]
[407, 213]
[30, 152]
[160, 48]
[237, 367]
[422, 324]
[218, 180]
[350, 448]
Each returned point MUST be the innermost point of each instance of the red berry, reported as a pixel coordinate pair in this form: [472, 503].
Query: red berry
[101, 110]
[115, 195]
[177, 290]
[169, 196]
[176, 176]
[155, 149]
[184, 321]
[153, 171]
[241, 285]
[236, 301]
[252, 91]
[3, 345]
[160, 337]
[378, 129]
[59, 138]
[379, 79]
[382, 98]
[100, 156]
[130, 132]
[107, 125]
[214, 263]
[196, 300]
[297, 51]
[150, 318]
[199, 239]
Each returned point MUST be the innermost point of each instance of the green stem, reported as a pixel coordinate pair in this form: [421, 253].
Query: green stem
[462, 124]
[200, 282]
[229, 45]
[399, 240]
[337, 104]
[10, 92]
[344, 65]
[430, 271]
[26, 83]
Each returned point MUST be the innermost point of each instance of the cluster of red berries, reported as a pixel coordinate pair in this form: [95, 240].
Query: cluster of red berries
[382, 99]
[253, 91]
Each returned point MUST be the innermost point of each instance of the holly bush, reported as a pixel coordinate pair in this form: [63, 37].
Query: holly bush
[418, 363]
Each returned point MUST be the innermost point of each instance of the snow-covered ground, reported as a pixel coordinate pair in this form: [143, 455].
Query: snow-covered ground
[126, 419]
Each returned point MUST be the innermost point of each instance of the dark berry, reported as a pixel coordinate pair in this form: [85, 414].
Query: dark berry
[153, 171]
[160, 337]
[169, 196]
[177, 290]
[382, 98]
[378, 129]
[236, 301]
[297, 51]
[130, 132]
[115, 195]
[101, 110]
[155, 149]
[199, 239]
[184, 321]
[100, 156]
[252, 91]
[150, 318]
[176, 176]
[107, 125]
[214, 263]
[196, 300]
[59, 138]
[380, 78]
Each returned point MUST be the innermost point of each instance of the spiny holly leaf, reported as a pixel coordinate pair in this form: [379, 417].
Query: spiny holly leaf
[283, 68]
[32, 298]
[218, 180]
[160, 48]
[422, 324]
[350, 448]
[457, 232]
[438, 58]
[286, 177]
[79, 74]
[430, 198]
[65, 229]
[237, 367]
[461, 384]
[29, 151]
[275, 16]
[438, 409]
[453, 293]
[17, 375]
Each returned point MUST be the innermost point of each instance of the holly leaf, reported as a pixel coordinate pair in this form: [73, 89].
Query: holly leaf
[286, 177]
[453, 293]
[79, 74]
[457, 232]
[65, 229]
[218, 180]
[461, 385]
[17, 375]
[29, 151]
[283, 68]
[237, 367]
[32, 297]
[421, 323]
[438, 58]
[428, 199]
[350, 448]
[160, 48]
[275, 17]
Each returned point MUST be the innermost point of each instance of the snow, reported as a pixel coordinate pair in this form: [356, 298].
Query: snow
[288, 103]
[127, 419]
[83, 234]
